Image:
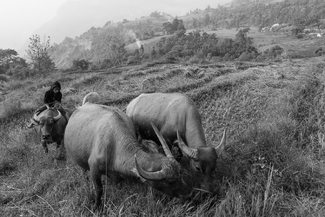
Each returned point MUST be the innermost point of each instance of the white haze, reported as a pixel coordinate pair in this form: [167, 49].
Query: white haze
[19, 19]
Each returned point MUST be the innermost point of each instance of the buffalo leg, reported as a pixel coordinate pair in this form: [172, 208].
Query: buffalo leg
[60, 149]
[96, 178]
[45, 147]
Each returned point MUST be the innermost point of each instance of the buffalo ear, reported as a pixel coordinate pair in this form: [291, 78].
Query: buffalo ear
[33, 122]
[30, 125]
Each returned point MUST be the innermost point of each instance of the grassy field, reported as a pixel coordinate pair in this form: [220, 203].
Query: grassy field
[274, 166]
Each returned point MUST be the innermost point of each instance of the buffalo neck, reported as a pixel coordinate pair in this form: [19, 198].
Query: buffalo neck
[195, 135]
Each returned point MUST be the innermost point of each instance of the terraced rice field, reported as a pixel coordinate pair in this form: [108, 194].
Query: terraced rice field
[274, 163]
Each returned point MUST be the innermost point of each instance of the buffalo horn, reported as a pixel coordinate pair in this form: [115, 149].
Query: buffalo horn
[35, 121]
[162, 141]
[56, 118]
[190, 152]
[158, 175]
[220, 148]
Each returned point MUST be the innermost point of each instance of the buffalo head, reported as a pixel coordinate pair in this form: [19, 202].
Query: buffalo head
[168, 179]
[46, 124]
[203, 159]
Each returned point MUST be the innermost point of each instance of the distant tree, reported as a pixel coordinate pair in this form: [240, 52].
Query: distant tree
[106, 63]
[136, 52]
[11, 64]
[180, 33]
[108, 23]
[168, 27]
[39, 53]
[155, 14]
[80, 64]
[175, 24]
[6, 57]
[207, 19]
[208, 8]
[153, 53]
[141, 49]
[296, 30]
[117, 53]
[194, 23]
[180, 26]
[314, 21]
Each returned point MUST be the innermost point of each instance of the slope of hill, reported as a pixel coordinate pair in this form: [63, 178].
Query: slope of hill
[77, 16]
[97, 43]
[73, 19]
[274, 114]
[257, 13]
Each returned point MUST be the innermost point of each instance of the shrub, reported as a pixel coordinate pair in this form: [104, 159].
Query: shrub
[80, 64]
[273, 52]
[133, 60]
[194, 60]
[300, 36]
[3, 78]
[245, 56]
[94, 67]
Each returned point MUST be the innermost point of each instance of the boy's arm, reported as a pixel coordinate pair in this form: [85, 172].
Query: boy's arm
[47, 99]
[59, 97]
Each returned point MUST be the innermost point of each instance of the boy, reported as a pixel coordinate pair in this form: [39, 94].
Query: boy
[51, 97]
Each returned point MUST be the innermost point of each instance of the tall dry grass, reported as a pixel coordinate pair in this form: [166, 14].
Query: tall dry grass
[274, 157]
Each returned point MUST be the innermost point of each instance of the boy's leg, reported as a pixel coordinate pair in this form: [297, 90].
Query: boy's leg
[64, 114]
[40, 109]
[37, 112]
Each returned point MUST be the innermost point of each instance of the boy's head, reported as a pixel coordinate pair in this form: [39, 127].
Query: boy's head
[56, 90]
[56, 87]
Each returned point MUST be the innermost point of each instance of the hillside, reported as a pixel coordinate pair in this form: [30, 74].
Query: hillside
[275, 141]
[75, 17]
[257, 13]
[97, 44]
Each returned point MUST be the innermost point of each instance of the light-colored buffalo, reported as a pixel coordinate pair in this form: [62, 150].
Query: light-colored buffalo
[103, 140]
[51, 124]
[172, 113]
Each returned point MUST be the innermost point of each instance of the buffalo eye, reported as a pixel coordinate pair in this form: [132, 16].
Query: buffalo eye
[197, 167]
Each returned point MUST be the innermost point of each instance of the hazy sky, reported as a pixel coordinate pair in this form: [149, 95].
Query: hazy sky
[20, 18]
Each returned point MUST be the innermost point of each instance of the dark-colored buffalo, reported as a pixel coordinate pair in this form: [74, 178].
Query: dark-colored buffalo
[172, 113]
[103, 140]
[52, 125]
